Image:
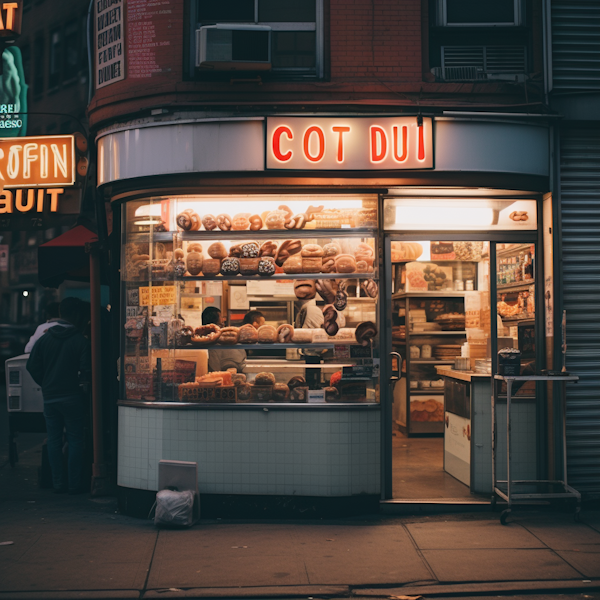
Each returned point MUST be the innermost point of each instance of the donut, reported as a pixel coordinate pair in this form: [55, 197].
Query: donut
[266, 266]
[184, 220]
[268, 249]
[341, 299]
[211, 266]
[196, 221]
[184, 335]
[244, 392]
[365, 332]
[209, 222]
[331, 394]
[240, 221]
[330, 320]
[264, 379]
[364, 252]
[285, 333]
[230, 266]
[179, 268]
[178, 254]
[224, 222]
[217, 250]
[194, 247]
[256, 222]
[312, 264]
[275, 219]
[193, 263]
[312, 250]
[229, 335]
[206, 334]
[250, 250]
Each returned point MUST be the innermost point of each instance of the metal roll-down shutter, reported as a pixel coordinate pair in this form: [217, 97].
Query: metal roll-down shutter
[580, 214]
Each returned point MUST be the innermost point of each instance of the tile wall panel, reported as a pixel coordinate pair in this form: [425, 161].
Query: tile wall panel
[287, 452]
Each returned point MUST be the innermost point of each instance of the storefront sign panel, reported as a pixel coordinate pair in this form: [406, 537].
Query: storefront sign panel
[11, 17]
[349, 144]
[110, 42]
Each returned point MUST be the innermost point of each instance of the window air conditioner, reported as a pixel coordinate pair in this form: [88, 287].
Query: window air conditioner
[225, 47]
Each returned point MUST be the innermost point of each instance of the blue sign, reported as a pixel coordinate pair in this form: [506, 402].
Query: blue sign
[13, 94]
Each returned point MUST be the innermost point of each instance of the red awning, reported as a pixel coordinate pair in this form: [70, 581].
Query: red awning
[64, 257]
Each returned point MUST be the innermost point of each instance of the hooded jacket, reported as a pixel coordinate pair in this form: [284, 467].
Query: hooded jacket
[59, 361]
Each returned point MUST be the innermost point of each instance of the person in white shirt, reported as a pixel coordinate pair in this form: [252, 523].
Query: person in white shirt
[53, 319]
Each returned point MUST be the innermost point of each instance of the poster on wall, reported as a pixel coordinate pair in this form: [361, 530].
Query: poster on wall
[110, 42]
[150, 27]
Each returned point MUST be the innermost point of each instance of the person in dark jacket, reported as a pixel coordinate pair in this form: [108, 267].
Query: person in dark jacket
[59, 362]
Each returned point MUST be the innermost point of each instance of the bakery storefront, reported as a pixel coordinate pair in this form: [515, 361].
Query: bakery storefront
[312, 306]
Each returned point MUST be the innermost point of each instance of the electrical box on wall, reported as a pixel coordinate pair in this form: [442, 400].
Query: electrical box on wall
[225, 47]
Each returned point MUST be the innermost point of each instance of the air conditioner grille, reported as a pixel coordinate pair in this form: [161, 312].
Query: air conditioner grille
[219, 45]
[491, 59]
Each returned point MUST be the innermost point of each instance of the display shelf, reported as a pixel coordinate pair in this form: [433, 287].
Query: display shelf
[435, 333]
[282, 346]
[514, 250]
[437, 294]
[518, 318]
[510, 287]
[430, 361]
[277, 276]
[433, 390]
[217, 234]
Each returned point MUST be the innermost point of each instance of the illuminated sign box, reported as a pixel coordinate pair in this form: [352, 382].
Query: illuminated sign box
[37, 174]
[10, 18]
[349, 144]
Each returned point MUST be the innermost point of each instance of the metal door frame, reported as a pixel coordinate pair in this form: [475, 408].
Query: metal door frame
[385, 306]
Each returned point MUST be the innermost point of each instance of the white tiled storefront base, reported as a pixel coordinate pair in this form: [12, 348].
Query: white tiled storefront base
[276, 452]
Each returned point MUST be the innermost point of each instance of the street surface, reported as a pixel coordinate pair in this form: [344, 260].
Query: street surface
[60, 546]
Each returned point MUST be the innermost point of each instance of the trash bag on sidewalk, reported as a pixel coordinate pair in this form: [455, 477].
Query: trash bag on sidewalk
[174, 509]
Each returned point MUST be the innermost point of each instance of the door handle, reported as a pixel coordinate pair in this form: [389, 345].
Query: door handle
[396, 374]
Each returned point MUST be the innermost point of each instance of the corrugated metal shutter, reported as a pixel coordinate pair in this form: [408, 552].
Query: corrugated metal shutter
[580, 200]
[575, 44]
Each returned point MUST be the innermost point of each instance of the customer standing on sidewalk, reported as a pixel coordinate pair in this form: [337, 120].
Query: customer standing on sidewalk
[59, 362]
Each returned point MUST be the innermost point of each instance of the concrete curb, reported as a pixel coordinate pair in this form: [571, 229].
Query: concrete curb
[468, 589]
[70, 595]
[320, 591]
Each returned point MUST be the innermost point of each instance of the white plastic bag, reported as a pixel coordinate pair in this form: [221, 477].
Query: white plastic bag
[174, 509]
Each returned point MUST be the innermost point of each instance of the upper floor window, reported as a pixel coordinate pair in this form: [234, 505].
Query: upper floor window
[295, 38]
[479, 13]
[55, 58]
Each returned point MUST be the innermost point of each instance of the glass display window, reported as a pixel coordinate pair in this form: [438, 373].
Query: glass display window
[250, 299]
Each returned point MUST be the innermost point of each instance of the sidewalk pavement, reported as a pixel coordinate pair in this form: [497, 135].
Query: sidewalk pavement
[78, 547]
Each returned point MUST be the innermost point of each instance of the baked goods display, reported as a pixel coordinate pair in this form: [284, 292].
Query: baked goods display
[249, 242]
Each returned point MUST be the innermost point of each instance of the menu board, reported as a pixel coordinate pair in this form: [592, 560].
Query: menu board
[149, 28]
[110, 57]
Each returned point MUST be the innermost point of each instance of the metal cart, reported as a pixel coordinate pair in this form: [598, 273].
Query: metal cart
[508, 494]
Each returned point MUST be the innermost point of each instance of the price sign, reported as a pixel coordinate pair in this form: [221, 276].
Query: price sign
[155, 296]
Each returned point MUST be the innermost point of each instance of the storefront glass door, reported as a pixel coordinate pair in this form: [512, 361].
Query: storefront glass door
[453, 300]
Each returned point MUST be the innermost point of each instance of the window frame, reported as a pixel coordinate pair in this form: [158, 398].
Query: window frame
[280, 73]
[442, 17]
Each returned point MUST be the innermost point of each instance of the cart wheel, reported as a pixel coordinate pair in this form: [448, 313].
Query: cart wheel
[577, 515]
[13, 455]
[494, 502]
[504, 515]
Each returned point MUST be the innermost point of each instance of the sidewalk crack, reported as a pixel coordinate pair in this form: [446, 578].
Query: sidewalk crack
[420, 553]
[144, 588]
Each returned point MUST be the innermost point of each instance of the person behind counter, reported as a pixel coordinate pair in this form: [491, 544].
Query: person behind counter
[254, 317]
[221, 359]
